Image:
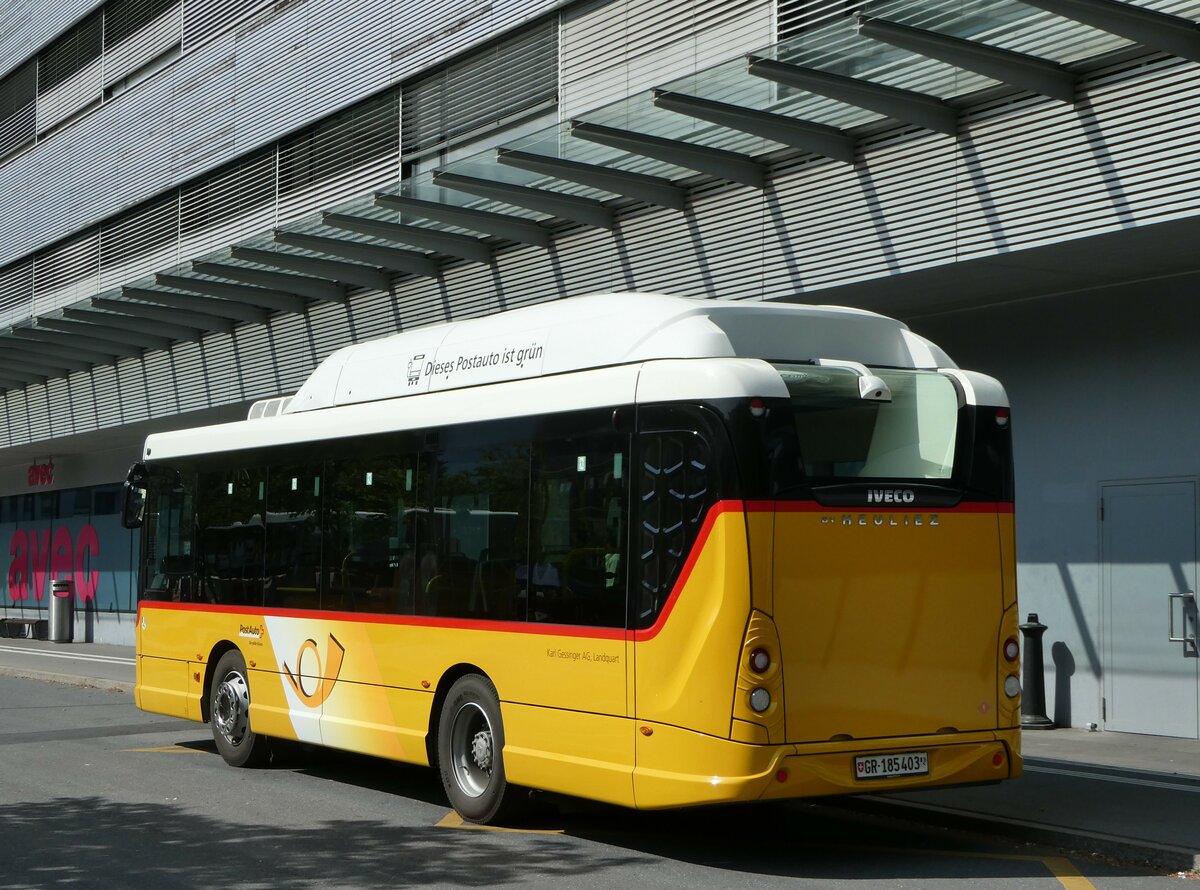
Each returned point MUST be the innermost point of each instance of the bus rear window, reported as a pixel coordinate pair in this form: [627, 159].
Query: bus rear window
[843, 437]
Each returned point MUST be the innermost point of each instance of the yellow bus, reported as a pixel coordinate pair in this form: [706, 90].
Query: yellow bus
[642, 549]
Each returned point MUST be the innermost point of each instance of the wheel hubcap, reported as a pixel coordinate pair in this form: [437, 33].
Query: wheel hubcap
[231, 708]
[471, 749]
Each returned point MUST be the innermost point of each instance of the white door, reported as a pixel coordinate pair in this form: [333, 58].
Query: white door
[1151, 685]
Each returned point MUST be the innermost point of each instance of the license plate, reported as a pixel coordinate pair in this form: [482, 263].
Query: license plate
[888, 766]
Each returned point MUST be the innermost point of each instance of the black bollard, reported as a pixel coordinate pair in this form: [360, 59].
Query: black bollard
[1033, 677]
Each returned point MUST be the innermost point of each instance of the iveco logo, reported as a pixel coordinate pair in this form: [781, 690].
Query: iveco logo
[890, 495]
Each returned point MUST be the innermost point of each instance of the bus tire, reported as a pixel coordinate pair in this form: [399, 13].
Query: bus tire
[470, 749]
[229, 710]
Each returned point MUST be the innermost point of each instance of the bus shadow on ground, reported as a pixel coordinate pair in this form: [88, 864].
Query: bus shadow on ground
[789, 839]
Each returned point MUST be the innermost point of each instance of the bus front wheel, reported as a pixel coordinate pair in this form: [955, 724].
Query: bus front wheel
[471, 751]
[229, 712]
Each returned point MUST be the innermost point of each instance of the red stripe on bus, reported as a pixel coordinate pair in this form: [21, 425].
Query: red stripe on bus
[594, 633]
[573, 630]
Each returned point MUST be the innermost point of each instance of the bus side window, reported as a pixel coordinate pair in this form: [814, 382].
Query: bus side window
[230, 536]
[676, 490]
[478, 531]
[579, 529]
[369, 534]
[168, 569]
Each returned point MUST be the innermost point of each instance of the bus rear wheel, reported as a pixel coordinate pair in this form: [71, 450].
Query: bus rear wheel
[229, 713]
[471, 752]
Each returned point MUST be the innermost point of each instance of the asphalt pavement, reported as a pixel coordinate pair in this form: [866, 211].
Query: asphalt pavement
[1124, 796]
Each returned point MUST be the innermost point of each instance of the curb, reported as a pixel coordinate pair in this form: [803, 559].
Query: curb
[1161, 856]
[68, 679]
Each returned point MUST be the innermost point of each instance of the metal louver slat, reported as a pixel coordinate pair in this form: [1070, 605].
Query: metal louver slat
[60, 270]
[204, 18]
[228, 192]
[140, 240]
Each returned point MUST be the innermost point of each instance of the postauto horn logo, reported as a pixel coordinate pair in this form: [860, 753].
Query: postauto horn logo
[313, 680]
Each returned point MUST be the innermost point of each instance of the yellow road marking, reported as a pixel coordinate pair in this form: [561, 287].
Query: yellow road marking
[1062, 869]
[453, 820]
[165, 749]
[1066, 872]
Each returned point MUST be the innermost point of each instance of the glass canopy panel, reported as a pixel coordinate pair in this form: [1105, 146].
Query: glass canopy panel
[1007, 24]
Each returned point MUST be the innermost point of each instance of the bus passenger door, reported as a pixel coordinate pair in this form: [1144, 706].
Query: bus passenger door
[690, 600]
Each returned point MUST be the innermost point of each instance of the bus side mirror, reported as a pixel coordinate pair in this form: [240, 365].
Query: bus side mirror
[133, 511]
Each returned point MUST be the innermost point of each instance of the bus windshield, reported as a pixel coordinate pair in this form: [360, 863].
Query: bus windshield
[844, 438]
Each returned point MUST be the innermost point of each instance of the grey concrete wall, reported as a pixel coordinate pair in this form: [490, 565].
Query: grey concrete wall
[1103, 387]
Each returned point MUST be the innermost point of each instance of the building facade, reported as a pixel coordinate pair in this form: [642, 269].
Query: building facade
[204, 198]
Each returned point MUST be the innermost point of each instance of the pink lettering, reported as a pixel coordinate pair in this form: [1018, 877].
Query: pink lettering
[34, 560]
[18, 569]
[39, 561]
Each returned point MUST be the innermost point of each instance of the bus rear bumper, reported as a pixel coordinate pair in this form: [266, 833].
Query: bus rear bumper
[723, 771]
[952, 760]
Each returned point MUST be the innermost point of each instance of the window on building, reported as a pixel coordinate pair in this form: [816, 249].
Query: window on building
[342, 142]
[18, 108]
[796, 17]
[467, 96]
[124, 18]
[70, 53]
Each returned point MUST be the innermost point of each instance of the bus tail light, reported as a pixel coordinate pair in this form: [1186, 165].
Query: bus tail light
[1012, 686]
[1012, 649]
[1002, 416]
[758, 707]
[760, 660]
[758, 408]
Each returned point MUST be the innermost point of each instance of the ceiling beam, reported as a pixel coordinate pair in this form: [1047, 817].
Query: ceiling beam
[128, 322]
[20, 357]
[902, 105]
[1157, 30]
[449, 243]
[1019, 69]
[108, 333]
[213, 306]
[585, 211]
[173, 315]
[639, 186]
[819, 139]
[261, 298]
[282, 283]
[334, 270]
[409, 261]
[11, 382]
[51, 354]
[728, 165]
[78, 344]
[501, 225]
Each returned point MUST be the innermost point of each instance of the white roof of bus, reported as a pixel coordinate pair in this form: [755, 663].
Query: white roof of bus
[604, 330]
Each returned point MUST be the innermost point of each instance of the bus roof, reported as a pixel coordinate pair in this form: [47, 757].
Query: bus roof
[604, 330]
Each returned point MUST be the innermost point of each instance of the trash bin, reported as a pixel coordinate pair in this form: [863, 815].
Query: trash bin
[62, 612]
